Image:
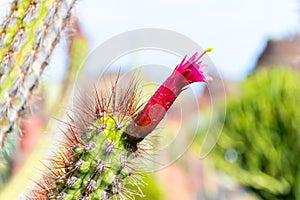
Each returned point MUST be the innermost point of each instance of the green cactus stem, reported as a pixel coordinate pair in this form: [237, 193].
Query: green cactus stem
[94, 162]
[100, 154]
[29, 34]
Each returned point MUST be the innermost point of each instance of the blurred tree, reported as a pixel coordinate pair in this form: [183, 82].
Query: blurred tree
[260, 142]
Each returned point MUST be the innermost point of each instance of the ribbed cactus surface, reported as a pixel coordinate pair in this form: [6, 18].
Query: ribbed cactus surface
[95, 161]
[28, 36]
[106, 137]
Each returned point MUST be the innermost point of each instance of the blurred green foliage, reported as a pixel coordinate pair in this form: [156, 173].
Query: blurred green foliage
[260, 142]
[151, 188]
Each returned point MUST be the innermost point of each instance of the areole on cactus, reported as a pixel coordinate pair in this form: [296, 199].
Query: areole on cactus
[28, 37]
[104, 140]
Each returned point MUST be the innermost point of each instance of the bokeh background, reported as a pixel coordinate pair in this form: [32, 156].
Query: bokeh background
[256, 51]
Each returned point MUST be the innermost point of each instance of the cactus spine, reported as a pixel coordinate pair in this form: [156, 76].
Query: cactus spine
[29, 34]
[94, 162]
[104, 140]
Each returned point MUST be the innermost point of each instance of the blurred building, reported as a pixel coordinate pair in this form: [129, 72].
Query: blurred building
[281, 52]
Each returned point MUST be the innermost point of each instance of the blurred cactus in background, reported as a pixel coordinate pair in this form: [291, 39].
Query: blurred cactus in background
[108, 134]
[260, 142]
[103, 138]
[28, 36]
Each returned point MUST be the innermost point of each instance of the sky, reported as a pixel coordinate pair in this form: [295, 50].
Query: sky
[237, 29]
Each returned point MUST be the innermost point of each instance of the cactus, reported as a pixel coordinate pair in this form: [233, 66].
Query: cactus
[60, 90]
[105, 140]
[259, 145]
[28, 34]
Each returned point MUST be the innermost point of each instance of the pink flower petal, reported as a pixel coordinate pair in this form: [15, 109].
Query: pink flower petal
[187, 72]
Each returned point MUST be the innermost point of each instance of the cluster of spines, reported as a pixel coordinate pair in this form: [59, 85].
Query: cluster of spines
[28, 35]
[95, 161]
[104, 139]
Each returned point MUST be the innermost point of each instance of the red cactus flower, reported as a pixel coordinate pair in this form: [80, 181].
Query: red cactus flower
[187, 72]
